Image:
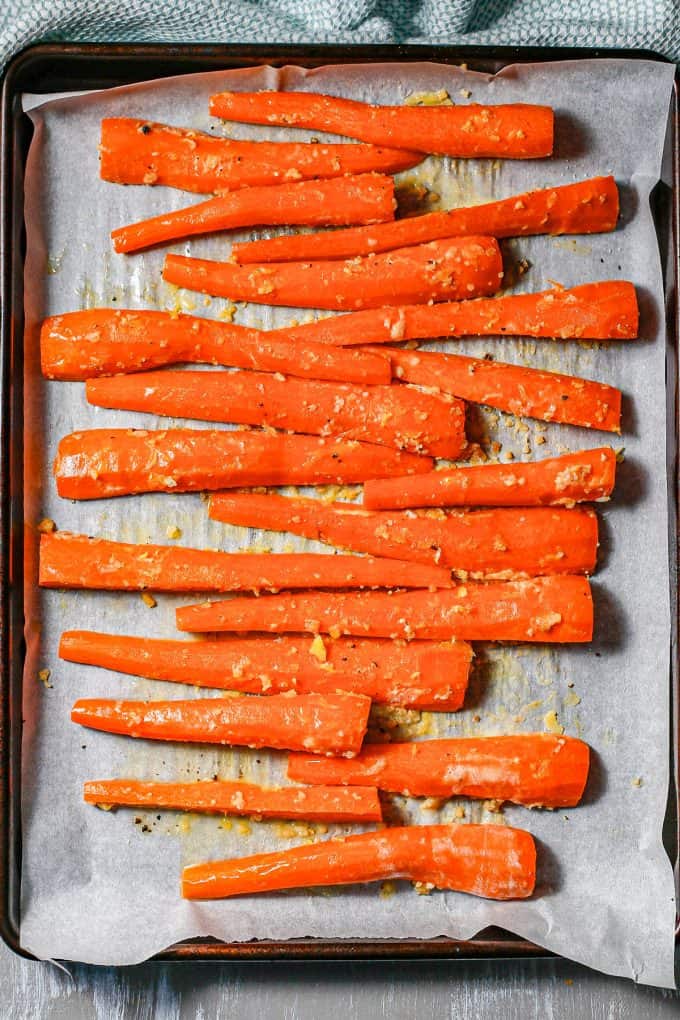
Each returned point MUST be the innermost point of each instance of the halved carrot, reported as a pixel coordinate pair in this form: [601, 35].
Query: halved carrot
[218, 796]
[118, 462]
[546, 609]
[366, 198]
[323, 723]
[592, 311]
[142, 152]
[528, 392]
[535, 769]
[502, 543]
[494, 861]
[587, 207]
[513, 131]
[556, 481]
[107, 341]
[460, 267]
[419, 674]
[76, 561]
[398, 416]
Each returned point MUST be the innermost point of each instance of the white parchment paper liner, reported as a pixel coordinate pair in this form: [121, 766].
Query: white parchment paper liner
[102, 888]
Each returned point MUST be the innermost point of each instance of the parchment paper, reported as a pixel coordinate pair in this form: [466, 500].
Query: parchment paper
[104, 887]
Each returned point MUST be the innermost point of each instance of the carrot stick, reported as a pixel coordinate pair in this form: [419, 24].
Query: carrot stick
[556, 609]
[323, 723]
[118, 462]
[142, 152]
[514, 131]
[527, 392]
[494, 861]
[398, 416]
[535, 769]
[320, 804]
[367, 198]
[556, 481]
[76, 561]
[420, 674]
[107, 341]
[593, 311]
[503, 543]
[588, 207]
[460, 267]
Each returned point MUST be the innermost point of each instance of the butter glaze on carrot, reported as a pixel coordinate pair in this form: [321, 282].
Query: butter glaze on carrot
[99, 463]
[313, 804]
[323, 723]
[556, 481]
[503, 543]
[397, 416]
[76, 561]
[494, 861]
[366, 198]
[534, 769]
[143, 152]
[107, 341]
[453, 269]
[418, 674]
[587, 207]
[545, 609]
[512, 131]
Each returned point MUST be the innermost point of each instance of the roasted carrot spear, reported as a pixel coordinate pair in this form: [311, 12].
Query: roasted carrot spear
[536, 769]
[557, 609]
[118, 462]
[459, 267]
[419, 674]
[557, 481]
[503, 543]
[322, 723]
[142, 152]
[320, 804]
[107, 341]
[514, 131]
[588, 207]
[398, 416]
[593, 311]
[76, 561]
[527, 392]
[494, 861]
[366, 198]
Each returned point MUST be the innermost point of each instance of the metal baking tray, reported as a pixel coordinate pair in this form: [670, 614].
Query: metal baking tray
[69, 67]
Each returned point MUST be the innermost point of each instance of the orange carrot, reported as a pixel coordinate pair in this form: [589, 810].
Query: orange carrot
[588, 207]
[494, 861]
[593, 311]
[535, 769]
[118, 462]
[502, 543]
[460, 267]
[514, 131]
[76, 561]
[557, 609]
[323, 723]
[556, 481]
[398, 416]
[420, 674]
[107, 341]
[367, 198]
[142, 152]
[527, 392]
[320, 804]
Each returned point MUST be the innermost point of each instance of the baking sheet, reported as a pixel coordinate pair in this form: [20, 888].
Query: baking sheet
[104, 887]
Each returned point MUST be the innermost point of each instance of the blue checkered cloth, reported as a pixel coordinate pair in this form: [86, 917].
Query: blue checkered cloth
[648, 24]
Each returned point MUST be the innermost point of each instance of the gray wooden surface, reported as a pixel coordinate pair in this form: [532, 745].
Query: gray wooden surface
[508, 990]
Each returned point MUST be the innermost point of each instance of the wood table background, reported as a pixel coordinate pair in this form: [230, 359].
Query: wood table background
[504, 990]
